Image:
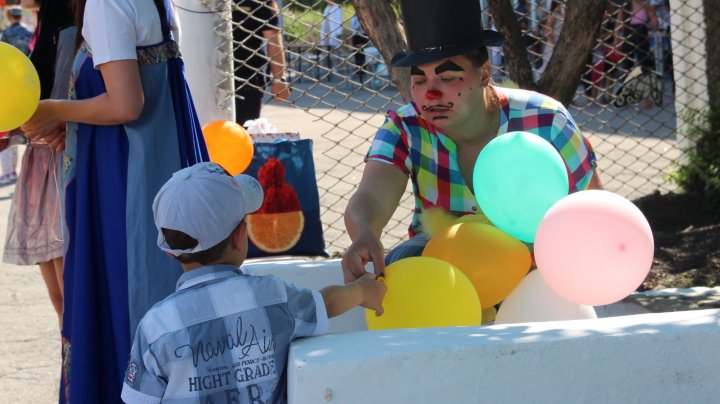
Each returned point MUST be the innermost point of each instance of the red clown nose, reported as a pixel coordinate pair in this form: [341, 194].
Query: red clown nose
[433, 95]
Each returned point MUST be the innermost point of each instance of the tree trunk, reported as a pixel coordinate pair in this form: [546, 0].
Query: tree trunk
[568, 62]
[382, 25]
[712, 49]
[516, 56]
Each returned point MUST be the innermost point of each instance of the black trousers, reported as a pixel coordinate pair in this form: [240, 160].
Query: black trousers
[248, 108]
[358, 41]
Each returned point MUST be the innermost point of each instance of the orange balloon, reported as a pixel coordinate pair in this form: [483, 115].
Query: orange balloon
[494, 261]
[229, 145]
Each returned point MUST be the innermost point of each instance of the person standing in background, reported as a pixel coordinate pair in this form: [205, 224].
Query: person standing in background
[607, 59]
[551, 28]
[17, 35]
[131, 123]
[495, 54]
[257, 24]
[331, 28]
[330, 32]
[34, 234]
[641, 17]
[359, 40]
[661, 39]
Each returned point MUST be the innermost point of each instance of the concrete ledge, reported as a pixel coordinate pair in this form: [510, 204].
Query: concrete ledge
[668, 357]
[656, 357]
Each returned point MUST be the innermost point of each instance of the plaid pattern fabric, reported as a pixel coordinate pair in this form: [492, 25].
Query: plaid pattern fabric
[222, 337]
[420, 150]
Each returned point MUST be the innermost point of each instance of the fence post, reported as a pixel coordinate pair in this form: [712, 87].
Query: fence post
[206, 45]
[688, 43]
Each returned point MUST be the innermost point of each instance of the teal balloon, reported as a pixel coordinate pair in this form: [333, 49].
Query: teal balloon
[517, 177]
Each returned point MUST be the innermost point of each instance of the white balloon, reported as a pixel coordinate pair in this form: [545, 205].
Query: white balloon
[533, 301]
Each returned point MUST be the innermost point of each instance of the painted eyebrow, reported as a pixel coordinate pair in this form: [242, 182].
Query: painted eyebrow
[415, 71]
[448, 66]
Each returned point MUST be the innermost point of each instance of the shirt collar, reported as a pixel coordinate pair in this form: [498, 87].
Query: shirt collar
[206, 273]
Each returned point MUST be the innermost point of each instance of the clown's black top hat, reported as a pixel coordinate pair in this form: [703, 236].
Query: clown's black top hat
[437, 29]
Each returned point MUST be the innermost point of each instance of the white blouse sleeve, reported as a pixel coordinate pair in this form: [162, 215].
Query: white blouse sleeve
[109, 29]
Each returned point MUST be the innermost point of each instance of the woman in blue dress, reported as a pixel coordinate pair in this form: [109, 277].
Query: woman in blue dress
[130, 124]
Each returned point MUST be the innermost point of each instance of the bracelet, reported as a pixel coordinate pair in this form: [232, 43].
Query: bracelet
[279, 80]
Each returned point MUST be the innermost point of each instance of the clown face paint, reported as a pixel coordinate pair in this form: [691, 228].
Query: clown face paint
[447, 92]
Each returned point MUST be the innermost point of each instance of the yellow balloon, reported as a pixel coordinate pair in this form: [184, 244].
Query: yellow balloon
[229, 145]
[19, 88]
[494, 261]
[426, 292]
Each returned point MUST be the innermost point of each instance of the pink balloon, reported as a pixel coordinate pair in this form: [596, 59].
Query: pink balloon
[594, 247]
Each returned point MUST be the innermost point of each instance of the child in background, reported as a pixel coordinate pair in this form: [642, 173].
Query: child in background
[34, 228]
[18, 35]
[224, 336]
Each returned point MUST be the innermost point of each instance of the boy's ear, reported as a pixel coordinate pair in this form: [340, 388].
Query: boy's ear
[239, 233]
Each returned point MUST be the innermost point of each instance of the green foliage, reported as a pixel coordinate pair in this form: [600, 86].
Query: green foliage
[701, 171]
[301, 26]
[316, 4]
[301, 23]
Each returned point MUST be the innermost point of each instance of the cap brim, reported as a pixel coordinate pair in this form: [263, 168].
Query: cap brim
[252, 192]
[423, 56]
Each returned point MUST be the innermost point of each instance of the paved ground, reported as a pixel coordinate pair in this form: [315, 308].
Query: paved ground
[29, 335]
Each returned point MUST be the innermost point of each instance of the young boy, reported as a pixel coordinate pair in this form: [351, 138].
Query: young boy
[224, 336]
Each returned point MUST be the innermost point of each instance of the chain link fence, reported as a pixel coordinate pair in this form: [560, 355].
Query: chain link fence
[627, 104]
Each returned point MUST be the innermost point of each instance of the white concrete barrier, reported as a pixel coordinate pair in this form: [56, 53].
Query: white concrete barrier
[648, 358]
[312, 275]
[658, 358]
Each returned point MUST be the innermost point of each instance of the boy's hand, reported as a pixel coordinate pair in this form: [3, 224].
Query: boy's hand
[373, 291]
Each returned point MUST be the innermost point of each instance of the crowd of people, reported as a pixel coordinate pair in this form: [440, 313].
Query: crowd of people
[633, 33]
[139, 238]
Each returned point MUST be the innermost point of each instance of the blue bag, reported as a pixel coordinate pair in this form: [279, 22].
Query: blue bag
[288, 223]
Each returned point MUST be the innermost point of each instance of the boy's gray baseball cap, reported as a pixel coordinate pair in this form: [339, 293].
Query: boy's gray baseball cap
[206, 203]
[15, 11]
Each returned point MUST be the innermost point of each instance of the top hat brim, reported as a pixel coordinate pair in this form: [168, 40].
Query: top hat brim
[429, 55]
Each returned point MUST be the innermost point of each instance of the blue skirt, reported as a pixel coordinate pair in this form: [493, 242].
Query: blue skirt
[114, 271]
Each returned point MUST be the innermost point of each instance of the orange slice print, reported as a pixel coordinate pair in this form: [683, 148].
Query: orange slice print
[275, 232]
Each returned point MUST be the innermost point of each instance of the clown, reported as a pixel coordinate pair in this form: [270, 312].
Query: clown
[435, 140]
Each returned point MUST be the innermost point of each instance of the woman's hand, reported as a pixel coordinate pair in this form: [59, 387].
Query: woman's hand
[56, 139]
[44, 121]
